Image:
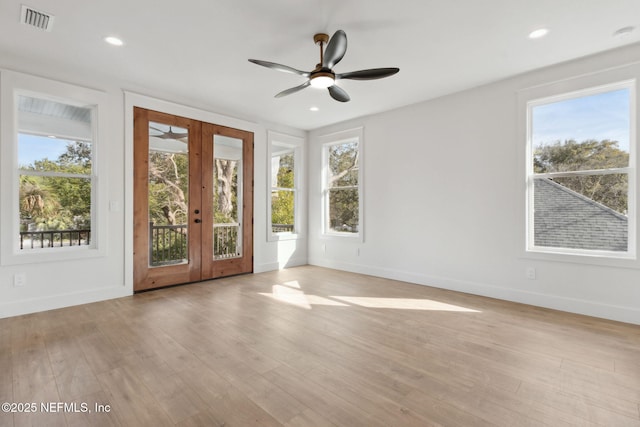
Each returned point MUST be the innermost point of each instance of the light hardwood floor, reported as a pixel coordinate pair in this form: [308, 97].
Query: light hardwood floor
[315, 347]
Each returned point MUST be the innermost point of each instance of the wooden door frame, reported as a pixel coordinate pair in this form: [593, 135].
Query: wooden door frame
[146, 277]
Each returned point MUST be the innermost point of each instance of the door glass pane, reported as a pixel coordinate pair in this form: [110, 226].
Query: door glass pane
[227, 197]
[168, 194]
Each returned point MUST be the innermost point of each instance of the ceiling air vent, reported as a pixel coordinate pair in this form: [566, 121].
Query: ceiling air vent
[36, 19]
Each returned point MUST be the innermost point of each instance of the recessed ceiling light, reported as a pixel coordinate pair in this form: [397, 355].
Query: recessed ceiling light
[114, 41]
[624, 31]
[314, 109]
[540, 32]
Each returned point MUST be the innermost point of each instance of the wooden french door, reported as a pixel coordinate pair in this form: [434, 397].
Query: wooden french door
[193, 200]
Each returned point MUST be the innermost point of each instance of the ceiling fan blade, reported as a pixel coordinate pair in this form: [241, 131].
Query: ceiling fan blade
[371, 74]
[280, 67]
[170, 134]
[293, 89]
[338, 93]
[335, 49]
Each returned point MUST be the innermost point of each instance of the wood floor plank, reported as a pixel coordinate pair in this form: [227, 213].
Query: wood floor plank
[175, 396]
[309, 418]
[33, 379]
[579, 408]
[98, 414]
[132, 402]
[310, 346]
[99, 353]
[314, 396]
[74, 377]
[6, 373]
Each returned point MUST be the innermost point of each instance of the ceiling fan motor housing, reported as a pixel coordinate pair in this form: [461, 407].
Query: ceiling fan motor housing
[322, 77]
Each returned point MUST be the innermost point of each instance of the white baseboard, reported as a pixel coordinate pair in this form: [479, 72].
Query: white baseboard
[272, 266]
[34, 305]
[571, 305]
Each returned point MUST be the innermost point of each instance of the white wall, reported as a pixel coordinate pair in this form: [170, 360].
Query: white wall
[59, 284]
[447, 217]
[443, 195]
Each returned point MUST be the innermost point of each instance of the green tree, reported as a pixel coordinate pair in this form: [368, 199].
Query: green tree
[78, 154]
[37, 204]
[609, 189]
[168, 188]
[343, 187]
[225, 195]
[55, 202]
[282, 201]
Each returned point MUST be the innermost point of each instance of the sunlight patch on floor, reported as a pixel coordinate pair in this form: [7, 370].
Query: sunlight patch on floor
[402, 304]
[290, 293]
[292, 284]
[299, 298]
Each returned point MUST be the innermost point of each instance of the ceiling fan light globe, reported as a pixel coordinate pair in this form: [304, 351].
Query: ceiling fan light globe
[322, 82]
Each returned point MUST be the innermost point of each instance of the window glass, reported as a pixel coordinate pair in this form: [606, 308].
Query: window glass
[283, 188]
[342, 194]
[343, 164]
[55, 164]
[283, 193]
[284, 170]
[579, 169]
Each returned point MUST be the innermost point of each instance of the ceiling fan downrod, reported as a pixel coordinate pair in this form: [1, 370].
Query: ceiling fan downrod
[321, 39]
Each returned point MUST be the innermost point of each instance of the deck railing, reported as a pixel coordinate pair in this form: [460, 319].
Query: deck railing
[168, 243]
[54, 238]
[282, 228]
[225, 241]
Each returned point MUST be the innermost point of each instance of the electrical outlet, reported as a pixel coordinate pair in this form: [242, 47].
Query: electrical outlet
[530, 272]
[357, 251]
[19, 280]
[324, 248]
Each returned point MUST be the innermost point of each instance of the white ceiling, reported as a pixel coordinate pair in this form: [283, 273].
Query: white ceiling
[197, 50]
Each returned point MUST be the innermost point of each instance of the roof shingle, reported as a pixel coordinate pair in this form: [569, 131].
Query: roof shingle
[566, 219]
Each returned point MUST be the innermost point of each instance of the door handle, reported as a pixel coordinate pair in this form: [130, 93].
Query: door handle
[197, 220]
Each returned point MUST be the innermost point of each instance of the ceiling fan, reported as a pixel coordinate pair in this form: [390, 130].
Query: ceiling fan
[168, 135]
[323, 75]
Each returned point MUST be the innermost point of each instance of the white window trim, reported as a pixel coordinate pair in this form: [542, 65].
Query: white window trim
[327, 141]
[12, 85]
[296, 144]
[616, 78]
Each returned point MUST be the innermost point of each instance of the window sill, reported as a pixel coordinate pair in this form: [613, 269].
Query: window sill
[276, 237]
[37, 256]
[341, 236]
[597, 259]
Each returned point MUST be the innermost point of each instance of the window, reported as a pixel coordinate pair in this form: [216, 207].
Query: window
[580, 168]
[342, 191]
[55, 158]
[285, 170]
[49, 170]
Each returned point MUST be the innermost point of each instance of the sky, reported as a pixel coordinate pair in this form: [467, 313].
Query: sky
[600, 116]
[33, 147]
